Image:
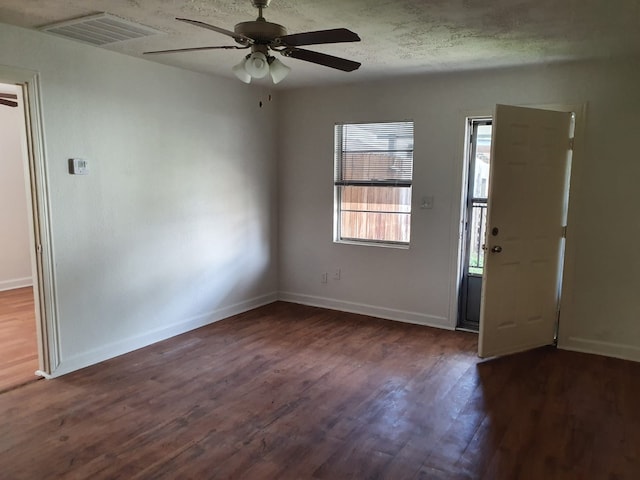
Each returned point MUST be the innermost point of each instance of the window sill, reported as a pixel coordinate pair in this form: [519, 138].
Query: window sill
[364, 243]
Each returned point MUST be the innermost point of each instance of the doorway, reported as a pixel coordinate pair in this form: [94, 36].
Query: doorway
[532, 150]
[19, 351]
[478, 163]
[512, 244]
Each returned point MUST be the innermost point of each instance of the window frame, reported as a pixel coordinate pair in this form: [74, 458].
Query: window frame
[339, 185]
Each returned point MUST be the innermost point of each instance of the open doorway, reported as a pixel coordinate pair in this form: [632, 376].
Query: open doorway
[532, 152]
[475, 221]
[19, 350]
[512, 249]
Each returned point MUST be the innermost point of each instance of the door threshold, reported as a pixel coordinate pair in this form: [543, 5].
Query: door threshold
[467, 329]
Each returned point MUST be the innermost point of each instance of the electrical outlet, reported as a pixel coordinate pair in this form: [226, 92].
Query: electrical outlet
[336, 274]
[324, 278]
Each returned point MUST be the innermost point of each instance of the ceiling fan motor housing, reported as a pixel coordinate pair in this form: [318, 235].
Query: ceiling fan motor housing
[260, 3]
[261, 31]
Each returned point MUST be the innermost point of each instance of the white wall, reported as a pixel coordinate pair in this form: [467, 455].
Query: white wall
[600, 307]
[175, 225]
[15, 260]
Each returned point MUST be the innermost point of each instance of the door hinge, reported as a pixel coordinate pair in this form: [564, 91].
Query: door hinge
[564, 232]
[39, 249]
[571, 143]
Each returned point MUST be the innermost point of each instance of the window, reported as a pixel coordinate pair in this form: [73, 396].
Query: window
[373, 175]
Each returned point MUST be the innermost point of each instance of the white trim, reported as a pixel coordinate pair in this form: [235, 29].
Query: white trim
[16, 283]
[568, 318]
[106, 352]
[598, 347]
[364, 309]
[365, 243]
[47, 295]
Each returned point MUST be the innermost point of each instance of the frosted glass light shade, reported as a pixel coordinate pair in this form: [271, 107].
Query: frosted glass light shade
[278, 70]
[240, 71]
[257, 65]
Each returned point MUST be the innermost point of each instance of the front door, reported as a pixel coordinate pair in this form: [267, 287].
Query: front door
[524, 243]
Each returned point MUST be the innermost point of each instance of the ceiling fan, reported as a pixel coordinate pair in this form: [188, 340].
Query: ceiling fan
[261, 36]
[8, 103]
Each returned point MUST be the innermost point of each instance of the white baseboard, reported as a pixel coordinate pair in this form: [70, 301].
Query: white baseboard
[68, 365]
[15, 283]
[364, 309]
[597, 347]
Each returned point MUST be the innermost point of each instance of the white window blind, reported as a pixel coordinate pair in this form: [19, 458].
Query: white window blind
[374, 154]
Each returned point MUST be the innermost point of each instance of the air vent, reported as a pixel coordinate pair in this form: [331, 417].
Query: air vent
[101, 29]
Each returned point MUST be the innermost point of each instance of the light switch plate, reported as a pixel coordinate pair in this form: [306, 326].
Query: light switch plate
[78, 166]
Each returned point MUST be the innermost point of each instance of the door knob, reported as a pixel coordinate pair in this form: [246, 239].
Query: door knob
[496, 249]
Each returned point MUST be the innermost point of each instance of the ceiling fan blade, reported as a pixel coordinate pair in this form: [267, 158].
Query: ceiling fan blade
[336, 35]
[9, 95]
[322, 59]
[236, 36]
[195, 49]
[8, 103]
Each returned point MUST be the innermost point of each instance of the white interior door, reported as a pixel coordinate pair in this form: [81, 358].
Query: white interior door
[530, 154]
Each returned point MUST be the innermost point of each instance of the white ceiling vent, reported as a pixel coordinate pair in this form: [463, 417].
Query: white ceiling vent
[100, 29]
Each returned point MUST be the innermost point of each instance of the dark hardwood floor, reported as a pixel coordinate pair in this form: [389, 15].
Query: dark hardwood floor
[295, 392]
[18, 344]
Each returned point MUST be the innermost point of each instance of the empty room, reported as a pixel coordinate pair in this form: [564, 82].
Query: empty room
[251, 239]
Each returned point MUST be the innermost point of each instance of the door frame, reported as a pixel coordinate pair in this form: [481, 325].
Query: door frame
[471, 121]
[457, 223]
[43, 267]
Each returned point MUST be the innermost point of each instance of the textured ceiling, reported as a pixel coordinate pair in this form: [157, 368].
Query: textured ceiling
[398, 36]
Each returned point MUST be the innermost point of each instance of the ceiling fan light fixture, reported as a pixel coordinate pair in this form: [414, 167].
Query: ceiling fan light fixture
[257, 65]
[278, 70]
[240, 71]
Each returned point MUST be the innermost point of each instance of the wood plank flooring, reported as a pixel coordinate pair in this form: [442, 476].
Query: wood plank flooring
[18, 344]
[294, 392]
